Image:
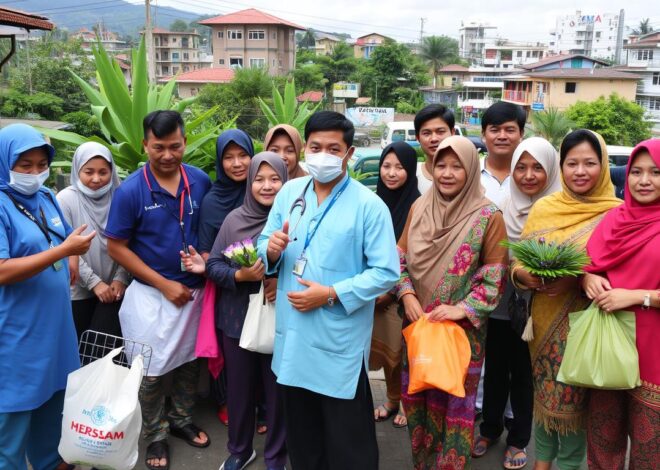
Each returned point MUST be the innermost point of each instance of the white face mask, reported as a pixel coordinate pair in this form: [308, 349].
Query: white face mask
[93, 193]
[26, 183]
[324, 167]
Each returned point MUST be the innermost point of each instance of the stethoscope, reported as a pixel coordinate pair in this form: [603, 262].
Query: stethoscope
[299, 202]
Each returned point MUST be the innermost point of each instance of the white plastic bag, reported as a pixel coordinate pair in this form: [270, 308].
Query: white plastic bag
[258, 333]
[102, 418]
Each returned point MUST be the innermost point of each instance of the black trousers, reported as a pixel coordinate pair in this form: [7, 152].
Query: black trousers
[92, 314]
[508, 373]
[325, 433]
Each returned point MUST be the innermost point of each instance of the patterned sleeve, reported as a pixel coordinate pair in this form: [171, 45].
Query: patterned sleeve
[489, 281]
[404, 285]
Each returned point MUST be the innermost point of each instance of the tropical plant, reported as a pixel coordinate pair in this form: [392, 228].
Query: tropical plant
[552, 125]
[437, 51]
[286, 109]
[644, 27]
[119, 111]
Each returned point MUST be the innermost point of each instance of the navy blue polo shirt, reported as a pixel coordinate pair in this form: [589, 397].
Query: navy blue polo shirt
[149, 220]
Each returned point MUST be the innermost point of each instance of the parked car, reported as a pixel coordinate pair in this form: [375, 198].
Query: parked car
[365, 164]
[619, 154]
[361, 139]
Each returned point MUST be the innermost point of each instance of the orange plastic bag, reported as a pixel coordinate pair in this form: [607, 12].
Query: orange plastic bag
[438, 356]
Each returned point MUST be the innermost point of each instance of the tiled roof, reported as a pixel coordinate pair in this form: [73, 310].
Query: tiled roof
[454, 68]
[311, 96]
[558, 58]
[206, 75]
[595, 74]
[166, 31]
[249, 16]
[21, 19]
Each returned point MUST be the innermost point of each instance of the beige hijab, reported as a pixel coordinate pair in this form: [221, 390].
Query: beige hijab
[438, 227]
[294, 135]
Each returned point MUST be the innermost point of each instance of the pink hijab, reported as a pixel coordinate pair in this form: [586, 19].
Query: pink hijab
[624, 247]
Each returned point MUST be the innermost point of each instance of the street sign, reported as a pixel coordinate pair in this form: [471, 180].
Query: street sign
[538, 106]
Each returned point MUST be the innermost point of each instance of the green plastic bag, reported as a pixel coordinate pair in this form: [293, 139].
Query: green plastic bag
[600, 350]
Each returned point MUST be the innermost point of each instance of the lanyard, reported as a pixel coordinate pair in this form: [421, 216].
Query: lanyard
[186, 189]
[43, 225]
[332, 202]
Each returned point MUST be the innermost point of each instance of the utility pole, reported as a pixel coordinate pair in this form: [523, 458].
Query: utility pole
[421, 31]
[149, 41]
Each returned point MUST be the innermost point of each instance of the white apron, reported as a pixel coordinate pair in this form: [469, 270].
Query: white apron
[146, 316]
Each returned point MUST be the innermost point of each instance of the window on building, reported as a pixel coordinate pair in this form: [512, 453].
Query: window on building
[656, 78]
[173, 40]
[570, 87]
[166, 56]
[654, 104]
[221, 61]
[186, 68]
[234, 34]
[221, 34]
[519, 53]
[236, 62]
[597, 34]
[175, 56]
[274, 35]
[166, 70]
[256, 35]
[186, 56]
[175, 70]
[184, 42]
[257, 63]
[529, 53]
[644, 54]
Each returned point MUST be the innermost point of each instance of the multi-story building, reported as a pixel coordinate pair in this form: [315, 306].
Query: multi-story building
[508, 54]
[473, 37]
[597, 34]
[176, 52]
[108, 39]
[643, 59]
[325, 43]
[365, 45]
[251, 38]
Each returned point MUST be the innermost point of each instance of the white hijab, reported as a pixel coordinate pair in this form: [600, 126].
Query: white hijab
[96, 210]
[517, 206]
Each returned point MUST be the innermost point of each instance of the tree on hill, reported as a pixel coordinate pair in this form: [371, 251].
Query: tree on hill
[179, 26]
[438, 51]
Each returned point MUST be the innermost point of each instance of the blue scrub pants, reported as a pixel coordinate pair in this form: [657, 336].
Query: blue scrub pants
[34, 434]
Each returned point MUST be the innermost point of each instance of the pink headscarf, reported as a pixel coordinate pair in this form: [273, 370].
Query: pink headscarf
[624, 247]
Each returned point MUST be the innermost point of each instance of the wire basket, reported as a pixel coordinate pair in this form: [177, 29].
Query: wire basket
[95, 345]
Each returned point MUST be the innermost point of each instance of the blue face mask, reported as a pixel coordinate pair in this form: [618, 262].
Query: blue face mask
[324, 167]
[26, 183]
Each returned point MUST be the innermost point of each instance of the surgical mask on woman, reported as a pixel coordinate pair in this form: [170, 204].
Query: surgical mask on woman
[27, 183]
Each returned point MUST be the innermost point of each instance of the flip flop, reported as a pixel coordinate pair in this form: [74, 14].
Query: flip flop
[389, 412]
[481, 446]
[400, 425]
[188, 433]
[512, 461]
[158, 450]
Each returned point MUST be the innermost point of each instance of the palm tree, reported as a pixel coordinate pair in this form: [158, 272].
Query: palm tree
[437, 51]
[644, 27]
[552, 125]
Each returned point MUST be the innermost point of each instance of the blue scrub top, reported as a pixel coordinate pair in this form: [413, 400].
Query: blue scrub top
[151, 224]
[38, 343]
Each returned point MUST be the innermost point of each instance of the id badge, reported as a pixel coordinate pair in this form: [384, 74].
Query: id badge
[183, 267]
[58, 265]
[299, 266]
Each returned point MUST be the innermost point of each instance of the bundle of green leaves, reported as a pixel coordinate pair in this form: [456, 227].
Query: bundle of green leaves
[549, 260]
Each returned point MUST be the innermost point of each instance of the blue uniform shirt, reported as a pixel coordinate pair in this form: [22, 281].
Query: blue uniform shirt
[150, 221]
[354, 251]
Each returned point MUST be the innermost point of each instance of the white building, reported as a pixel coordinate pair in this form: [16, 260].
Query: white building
[595, 34]
[643, 58]
[508, 54]
[473, 37]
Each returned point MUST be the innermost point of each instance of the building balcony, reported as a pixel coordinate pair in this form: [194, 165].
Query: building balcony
[649, 63]
[515, 96]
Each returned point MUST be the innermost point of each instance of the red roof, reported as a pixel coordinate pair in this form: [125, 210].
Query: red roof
[311, 96]
[454, 68]
[249, 16]
[207, 75]
[21, 19]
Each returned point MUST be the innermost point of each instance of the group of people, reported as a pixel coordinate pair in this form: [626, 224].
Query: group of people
[347, 269]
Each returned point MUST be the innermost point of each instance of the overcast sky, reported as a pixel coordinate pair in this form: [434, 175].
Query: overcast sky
[400, 19]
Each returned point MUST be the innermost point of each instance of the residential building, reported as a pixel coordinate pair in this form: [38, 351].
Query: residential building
[109, 40]
[251, 38]
[14, 24]
[189, 83]
[565, 61]
[311, 97]
[176, 52]
[643, 59]
[365, 45]
[473, 37]
[325, 43]
[508, 54]
[562, 87]
[597, 34]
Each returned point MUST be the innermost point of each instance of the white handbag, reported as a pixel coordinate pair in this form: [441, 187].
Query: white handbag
[258, 333]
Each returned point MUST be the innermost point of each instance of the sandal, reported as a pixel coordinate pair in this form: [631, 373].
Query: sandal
[481, 446]
[514, 458]
[158, 450]
[389, 412]
[403, 421]
[188, 433]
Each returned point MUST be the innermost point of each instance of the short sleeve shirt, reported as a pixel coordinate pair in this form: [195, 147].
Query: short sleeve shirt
[150, 221]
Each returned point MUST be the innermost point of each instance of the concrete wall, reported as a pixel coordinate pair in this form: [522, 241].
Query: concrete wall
[587, 90]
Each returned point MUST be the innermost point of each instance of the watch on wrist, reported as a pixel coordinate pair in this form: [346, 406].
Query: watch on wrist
[647, 301]
[331, 299]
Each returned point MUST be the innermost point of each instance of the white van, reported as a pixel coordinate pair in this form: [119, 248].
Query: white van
[404, 131]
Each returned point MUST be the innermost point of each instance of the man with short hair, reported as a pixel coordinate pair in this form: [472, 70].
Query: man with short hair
[331, 239]
[433, 124]
[153, 217]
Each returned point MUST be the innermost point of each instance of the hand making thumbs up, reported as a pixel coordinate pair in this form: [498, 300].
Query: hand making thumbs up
[277, 243]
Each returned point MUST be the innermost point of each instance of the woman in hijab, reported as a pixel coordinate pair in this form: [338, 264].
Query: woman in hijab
[244, 368]
[535, 174]
[38, 347]
[567, 216]
[285, 140]
[452, 269]
[624, 276]
[97, 294]
[397, 187]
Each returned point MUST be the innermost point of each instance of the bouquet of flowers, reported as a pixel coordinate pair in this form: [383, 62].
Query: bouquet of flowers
[549, 260]
[243, 253]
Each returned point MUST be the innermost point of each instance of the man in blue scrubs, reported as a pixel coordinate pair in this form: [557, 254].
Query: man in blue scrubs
[153, 217]
[331, 239]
